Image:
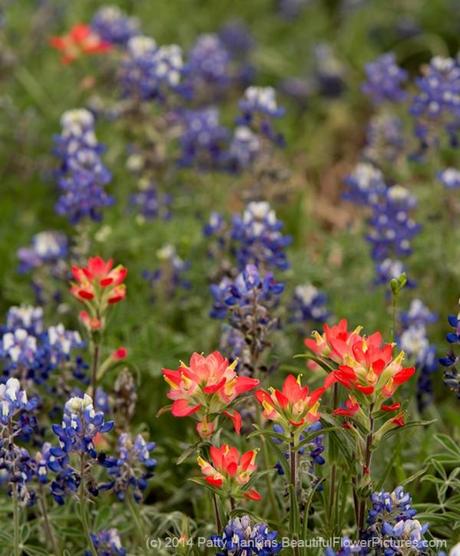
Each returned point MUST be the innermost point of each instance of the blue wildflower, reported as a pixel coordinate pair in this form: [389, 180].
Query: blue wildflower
[384, 79]
[450, 178]
[107, 543]
[47, 249]
[243, 537]
[82, 175]
[308, 305]
[113, 26]
[436, 107]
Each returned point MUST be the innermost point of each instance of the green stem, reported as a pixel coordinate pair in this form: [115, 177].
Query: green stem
[134, 509]
[17, 551]
[94, 368]
[293, 478]
[83, 508]
[217, 513]
[49, 530]
[366, 467]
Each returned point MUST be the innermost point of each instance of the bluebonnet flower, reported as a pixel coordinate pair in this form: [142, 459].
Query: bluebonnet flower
[237, 38]
[82, 175]
[170, 275]
[391, 520]
[299, 89]
[150, 203]
[347, 548]
[414, 341]
[243, 537]
[391, 225]
[450, 178]
[208, 65]
[133, 467]
[102, 401]
[233, 345]
[148, 71]
[13, 400]
[291, 9]
[437, 105]
[384, 79]
[365, 184]
[107, 543]
[28, 349]
[203, 140]
[47, 249]
[258, 237]
[329, 72]
[258, 109]
[80, 424]
[113, 26]
[248, 302]
[418, 315]
[384, 139]
[244, 148]
[308, 305]
[17, 467]
[451, 374]
[26, 317]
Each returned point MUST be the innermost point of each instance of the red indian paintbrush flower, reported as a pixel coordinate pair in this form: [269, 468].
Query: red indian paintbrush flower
[230, 471]
[335, 342]
[81, 39]
[371, 369]
[98, 285]
[206, 387]
[292, 406]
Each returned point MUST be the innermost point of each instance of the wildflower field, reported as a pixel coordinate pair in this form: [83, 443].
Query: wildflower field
[230, 279]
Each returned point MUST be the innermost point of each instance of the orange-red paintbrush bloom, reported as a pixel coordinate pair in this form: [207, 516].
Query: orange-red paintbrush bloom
[230, 471]
[207, 386]
[292, 406]
[98, 285]
[81, 39]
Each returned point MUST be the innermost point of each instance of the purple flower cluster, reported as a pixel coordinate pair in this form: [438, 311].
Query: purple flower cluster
[47, 249]
[149, 203]
[391, 518]
[113, 26]
[242, 537]
[17, 467]
[308, 305]
[107, 543]
[384, 79]
[451, 374]
[450, 178]
[436, 107]
[414, 341]
[384, 141]
[259, 108]
[248, 302]
[208, 65]
[29, 350]
[391, 227]
[254, 237]
[203, 140]
[133, 467]
[82, 175]
[148, 71]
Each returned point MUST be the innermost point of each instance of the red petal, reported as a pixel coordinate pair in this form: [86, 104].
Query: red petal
[392, 407]
[214, 482]
[253, 494]
[180, 408]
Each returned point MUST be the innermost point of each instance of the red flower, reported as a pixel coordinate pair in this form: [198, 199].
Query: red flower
[207, 386]
[99, 281]
[370, 368]
[230, 470]
[335, 342]
[120, 353]
[81, 39]
[293, 405]
[392, 407]
[399, 420]
[350, 409]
